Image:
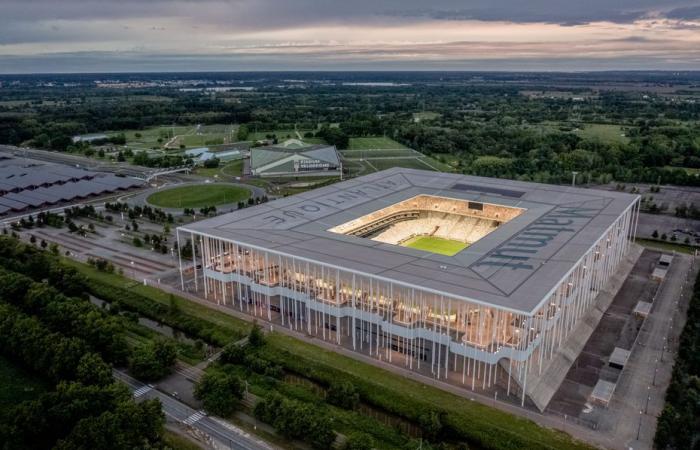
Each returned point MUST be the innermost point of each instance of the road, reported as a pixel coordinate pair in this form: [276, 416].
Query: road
[82, 161]
[224, 433]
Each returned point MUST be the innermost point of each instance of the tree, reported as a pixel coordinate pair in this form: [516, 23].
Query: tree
[220, 392]
[359, 441]
[256, 338]
[655, 234]
[233, 353]
[93, 370]
[153, 361]
[242, 133]
[137, 242]
[211, 163]
[343, 394]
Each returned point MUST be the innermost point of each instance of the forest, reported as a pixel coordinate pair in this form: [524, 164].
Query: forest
[538, 127]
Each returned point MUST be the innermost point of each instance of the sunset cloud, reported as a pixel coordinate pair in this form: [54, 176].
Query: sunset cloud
[37, 35]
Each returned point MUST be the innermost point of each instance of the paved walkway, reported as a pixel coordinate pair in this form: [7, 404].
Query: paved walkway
[639, 398]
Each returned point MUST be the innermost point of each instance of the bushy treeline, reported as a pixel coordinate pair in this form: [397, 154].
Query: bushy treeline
[68, 342]
[133, 212]
[678, 427]
[296, 420]
[69, 316]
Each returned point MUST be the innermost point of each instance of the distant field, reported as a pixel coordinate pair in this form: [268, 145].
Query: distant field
[17, 385]
[399, 152]
[282, 135]
[422, 163]
[148, 138]
[425, 115]
[371, 143]
[198, 196]
[437, 245]
[604, 132]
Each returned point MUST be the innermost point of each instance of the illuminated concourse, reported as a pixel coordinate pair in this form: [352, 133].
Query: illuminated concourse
[339, 263]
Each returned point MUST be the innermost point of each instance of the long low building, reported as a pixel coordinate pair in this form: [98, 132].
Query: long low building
[293, 158]
[30, 185]
[475, 281]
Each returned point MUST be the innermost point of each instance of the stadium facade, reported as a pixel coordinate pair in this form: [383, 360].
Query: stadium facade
[338, 263]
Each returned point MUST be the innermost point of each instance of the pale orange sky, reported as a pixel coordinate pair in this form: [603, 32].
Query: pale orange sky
[271, 34]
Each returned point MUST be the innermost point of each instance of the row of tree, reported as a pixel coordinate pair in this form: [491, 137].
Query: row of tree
[678, 425]
[71, 343]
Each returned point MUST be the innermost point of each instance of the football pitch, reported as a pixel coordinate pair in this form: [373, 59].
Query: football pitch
[437, 245]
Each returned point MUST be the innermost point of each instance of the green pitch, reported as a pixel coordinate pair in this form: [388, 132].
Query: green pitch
[437, 245]
[198, 196]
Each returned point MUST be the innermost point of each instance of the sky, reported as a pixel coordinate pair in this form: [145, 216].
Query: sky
[45, 36]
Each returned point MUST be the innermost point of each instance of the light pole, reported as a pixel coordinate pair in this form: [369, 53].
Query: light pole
[646, 408]
[573, 178]
[133, 273]
[639, 428]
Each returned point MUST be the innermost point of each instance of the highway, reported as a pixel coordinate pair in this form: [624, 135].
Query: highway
[227, 435]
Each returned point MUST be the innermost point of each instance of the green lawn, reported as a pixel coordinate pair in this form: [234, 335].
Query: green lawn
[234, 168]
[17, 384]
[437, 245]
[423, 163]
[604, 132]
[425, 115]
[148, 137]
[282, 135]
[199, 196]
[668, 246]
[401, 391]
[371, 143]
[608, 133]
[236, 326]
[388, 153]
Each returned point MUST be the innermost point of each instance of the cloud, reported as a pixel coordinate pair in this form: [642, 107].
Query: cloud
[294, 33]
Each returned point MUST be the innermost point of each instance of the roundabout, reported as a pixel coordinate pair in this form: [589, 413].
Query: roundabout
[198, 196]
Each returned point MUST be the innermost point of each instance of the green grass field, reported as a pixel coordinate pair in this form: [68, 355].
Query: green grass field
[604, 132]
[371, 143]
[282, 135]
[234, 168]
[437, 245]
[198, 196]
[425, 115]
[148, 138]
[388, 153]
[18, 385]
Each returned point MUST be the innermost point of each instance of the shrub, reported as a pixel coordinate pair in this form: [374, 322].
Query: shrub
[219, 392]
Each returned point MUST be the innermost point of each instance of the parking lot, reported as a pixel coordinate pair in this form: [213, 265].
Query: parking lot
[617, 328]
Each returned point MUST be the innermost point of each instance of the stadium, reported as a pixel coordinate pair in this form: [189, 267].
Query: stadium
[474, 281]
